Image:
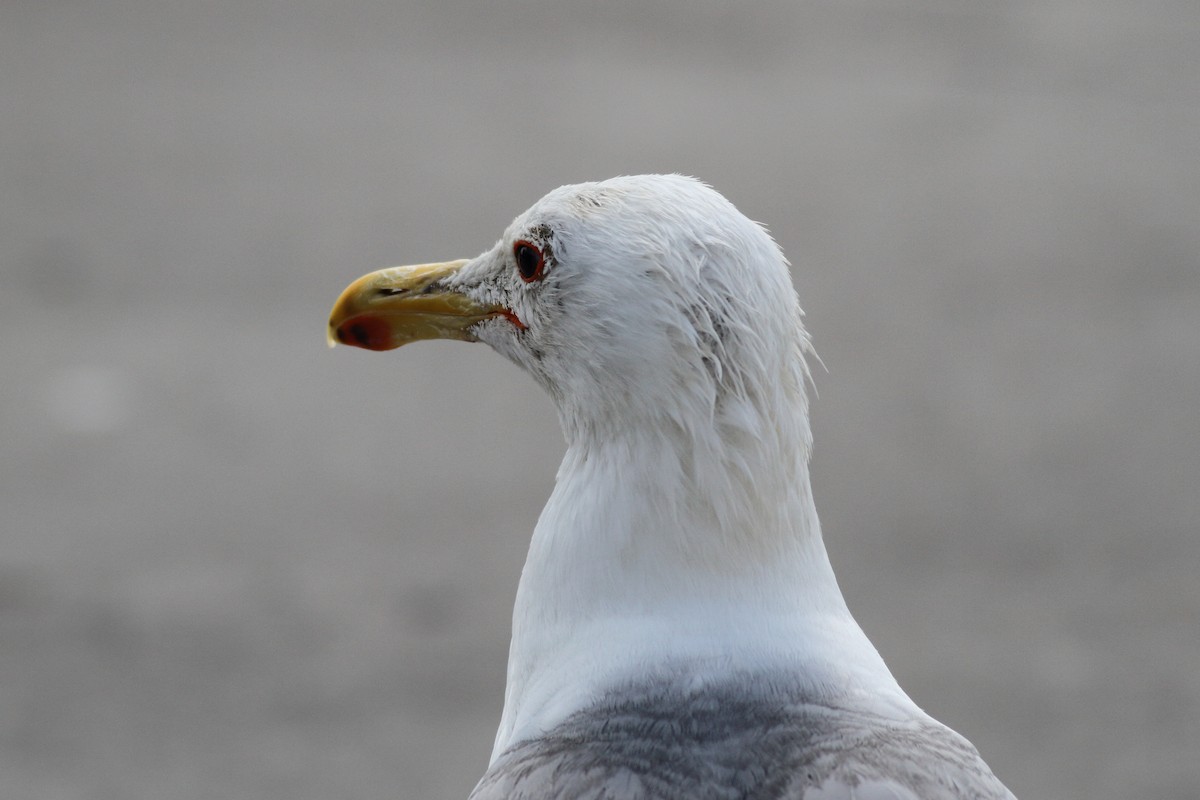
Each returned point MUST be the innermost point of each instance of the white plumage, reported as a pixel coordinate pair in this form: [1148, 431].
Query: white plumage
[678, 630]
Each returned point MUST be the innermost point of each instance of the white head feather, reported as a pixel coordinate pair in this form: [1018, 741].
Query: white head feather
[663, 313]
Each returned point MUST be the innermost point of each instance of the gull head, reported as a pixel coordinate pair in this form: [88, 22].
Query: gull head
[643, 298]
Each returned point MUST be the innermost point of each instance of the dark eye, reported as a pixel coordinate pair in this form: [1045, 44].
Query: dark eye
[529, 261]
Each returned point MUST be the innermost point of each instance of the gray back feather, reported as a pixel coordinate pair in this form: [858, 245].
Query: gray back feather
[665, 743]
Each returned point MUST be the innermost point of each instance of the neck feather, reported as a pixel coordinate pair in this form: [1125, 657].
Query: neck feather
[665, 543]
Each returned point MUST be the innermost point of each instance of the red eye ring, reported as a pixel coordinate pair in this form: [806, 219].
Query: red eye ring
[530, 261]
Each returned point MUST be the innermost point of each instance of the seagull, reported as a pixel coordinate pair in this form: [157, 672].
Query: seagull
[678, 631]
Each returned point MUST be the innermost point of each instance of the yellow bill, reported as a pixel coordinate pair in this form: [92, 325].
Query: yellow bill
[394, 306]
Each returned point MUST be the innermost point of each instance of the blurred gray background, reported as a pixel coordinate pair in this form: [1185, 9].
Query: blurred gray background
[234, 564]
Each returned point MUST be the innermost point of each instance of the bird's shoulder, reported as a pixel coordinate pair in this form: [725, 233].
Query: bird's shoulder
[720, 744]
